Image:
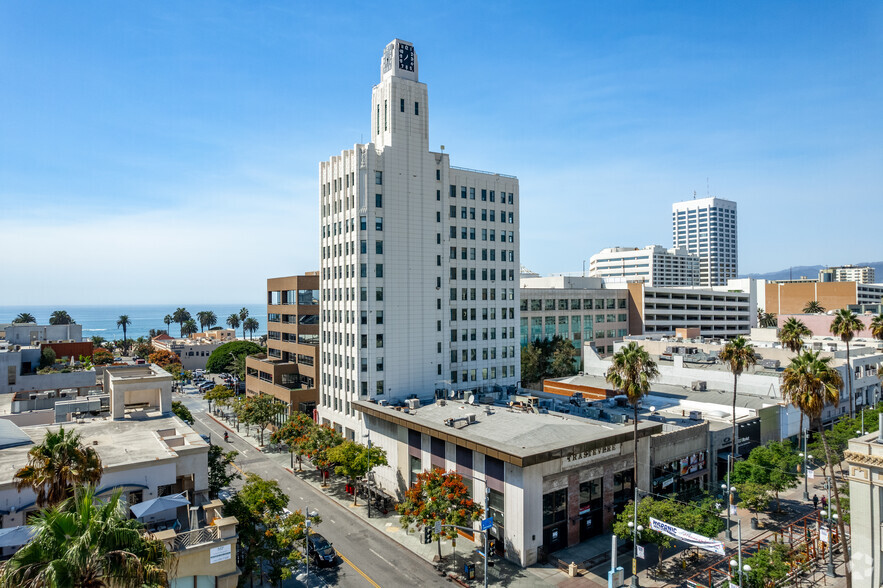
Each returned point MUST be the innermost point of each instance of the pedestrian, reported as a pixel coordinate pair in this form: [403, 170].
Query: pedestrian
[815, 501]
[824, 502]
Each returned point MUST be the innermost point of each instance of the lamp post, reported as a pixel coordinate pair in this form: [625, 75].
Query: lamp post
[827, 513]
[806, 457]
[636, 528]
[729, 491]
[308, 516]
[737, 563]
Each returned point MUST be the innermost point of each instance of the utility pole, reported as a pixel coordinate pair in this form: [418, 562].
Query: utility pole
[830, 571]
[487, 493]
[636, 528]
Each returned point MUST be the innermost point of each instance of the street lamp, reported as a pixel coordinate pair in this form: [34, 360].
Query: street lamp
[635, 528]
[827, 513]
[729, 490]
[308, 516]
[806, 457]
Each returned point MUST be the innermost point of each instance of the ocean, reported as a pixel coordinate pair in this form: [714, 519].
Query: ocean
[102, 320]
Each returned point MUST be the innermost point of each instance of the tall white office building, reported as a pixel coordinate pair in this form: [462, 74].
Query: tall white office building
[653, 265]
[419, 262]
[707, 227]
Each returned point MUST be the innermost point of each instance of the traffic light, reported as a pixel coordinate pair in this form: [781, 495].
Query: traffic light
[491, 545]
[427, 534]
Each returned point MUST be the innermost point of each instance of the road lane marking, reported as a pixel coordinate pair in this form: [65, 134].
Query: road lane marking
[332, 521]
[363, 574]
[380, 556]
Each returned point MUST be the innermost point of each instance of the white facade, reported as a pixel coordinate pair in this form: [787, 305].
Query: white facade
[419, 261]
[848, 273]
[707, 227]
[653, 265]
[31, 334]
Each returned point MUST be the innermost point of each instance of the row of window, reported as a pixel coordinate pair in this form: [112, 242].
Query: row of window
[471, 273]
[572, 303]
[472, 375]
[487, 353]
[485, 194]
[487, 334]
[471, 293]
[467, 314]
[469, 252]
[469, 233]
[293, 297]
[469, 214]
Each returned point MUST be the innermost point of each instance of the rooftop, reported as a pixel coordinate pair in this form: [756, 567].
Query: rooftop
[521, 437]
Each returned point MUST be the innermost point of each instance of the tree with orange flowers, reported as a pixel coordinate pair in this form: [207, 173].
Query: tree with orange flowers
[438, 496]
[163, 357]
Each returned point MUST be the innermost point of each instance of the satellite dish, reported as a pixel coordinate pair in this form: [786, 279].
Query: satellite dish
[471, 399]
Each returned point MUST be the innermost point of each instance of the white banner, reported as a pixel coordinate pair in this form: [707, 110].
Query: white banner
[823, 535]
[733, 510]
[810, 474]
[693, 539]
[641, 551]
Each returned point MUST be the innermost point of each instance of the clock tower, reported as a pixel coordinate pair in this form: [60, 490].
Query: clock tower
[399, 103]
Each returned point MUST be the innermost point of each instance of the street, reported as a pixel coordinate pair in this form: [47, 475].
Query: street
[369, 558]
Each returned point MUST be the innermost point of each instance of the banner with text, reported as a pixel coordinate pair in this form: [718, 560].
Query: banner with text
[693, 539]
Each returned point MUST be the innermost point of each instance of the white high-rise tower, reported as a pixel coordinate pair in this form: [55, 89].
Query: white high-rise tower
[707, 227]
[419, 262]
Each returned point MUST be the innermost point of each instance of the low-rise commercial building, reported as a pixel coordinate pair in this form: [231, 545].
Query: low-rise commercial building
[193, 351]
[865, 458]
[18, 373]
[30, 334]
[654, 265]
[288, 370]
[792, 297]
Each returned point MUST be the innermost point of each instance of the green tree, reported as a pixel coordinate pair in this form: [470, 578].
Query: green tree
[24, 317]
[243, 314]
[737, 354]
[877, 327]
[58, 464]
[792, 334]
[813, 307]
[561, 361]
[294, 433]
[316, 446]
[189, 328]
[181, 316]
[101, 356]
[753, 496]
[810, 384]
[631, 373]
[251, 325]
[769, 566]
[845, 325]
[143, 349]
[124, 322]
[773, 466]
[219, 395]
[182, 412]
[220, 359]
[211, 319]
[90, 543]
[218, 476]
[354, 460]
[765, 319]
[233, 323]
[259, 411]
[61, 317]
[531, 363]
[47, 357]
[168, 320]
[284, 534]
[438, 496]
[98, 341]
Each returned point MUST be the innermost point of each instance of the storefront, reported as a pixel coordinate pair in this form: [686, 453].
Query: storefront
[686, 476]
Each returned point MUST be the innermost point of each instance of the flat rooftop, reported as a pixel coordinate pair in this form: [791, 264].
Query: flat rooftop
[119, 443]
[520, 437]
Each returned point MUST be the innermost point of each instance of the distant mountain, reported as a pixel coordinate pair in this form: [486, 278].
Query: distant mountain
[812, 271]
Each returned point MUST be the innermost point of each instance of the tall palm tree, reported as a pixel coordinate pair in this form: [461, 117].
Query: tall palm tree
[56, 465]
[211, 319]
[181, 316]
[200, 316]
[24, 317]
[877, 326]
[243, 314]
[631, 373]
[124, 322]
[233, 322]
[845, 325]
[168, 320]
[89, 543]
[61, 317]
[189, 327]
[98, 341]
[810, 384]
[738, 354]
[792, 334]
[813, 307]
[251, 325]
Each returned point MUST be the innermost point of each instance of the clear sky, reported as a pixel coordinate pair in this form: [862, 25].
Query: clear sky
[153, 152]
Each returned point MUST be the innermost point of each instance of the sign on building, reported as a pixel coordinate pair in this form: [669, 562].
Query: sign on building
[219, 554]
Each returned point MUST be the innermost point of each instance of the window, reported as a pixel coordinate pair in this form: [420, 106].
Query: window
[452, 212]
[379, 294]
[380, 340]
[379, 387]
[463, 192]
[402, 105]
[416, 108]
[378, 223]
[378, 177]
[438, 175]
[378, 270]
[363, 270]
[483, 195]
[378, 247]
[363, 223]
[472, 193]
[378, 200]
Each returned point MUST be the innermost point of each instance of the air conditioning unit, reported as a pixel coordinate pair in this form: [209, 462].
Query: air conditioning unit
[413, 403]
[700, 385]
[695, 415]
[383, 402]
[470, 418]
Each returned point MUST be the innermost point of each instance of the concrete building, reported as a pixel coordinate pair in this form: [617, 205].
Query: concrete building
[29, 334]
[289, 370]
[792, 297]
[865, 459]
[863, 274]
[193, 351]
[418, 261]
[576, 308]
[18, 373]
[707, 227]
[654, 265]
[820, 324]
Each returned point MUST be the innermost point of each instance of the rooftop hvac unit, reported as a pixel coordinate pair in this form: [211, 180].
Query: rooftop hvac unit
[695, 415]
[470, 418]
[413, 403]
[383, 402]
[32, 396]
[770, 363]
[700, 385]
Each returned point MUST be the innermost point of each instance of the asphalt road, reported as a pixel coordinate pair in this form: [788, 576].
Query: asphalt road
[369, 558]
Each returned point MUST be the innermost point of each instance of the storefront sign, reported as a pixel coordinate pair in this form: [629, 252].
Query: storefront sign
[219, 554]
[581, 457]
[687, 537]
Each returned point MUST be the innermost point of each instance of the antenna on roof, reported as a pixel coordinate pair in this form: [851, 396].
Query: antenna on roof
[707, 187]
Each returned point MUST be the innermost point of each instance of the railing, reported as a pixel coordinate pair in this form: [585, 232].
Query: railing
[196, 537]
[479, 171]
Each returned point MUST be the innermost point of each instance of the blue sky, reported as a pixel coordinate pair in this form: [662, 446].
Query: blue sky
[157, 152]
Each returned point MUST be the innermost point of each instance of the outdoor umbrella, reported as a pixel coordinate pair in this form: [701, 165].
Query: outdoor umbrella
[157, 505]
[15, 536]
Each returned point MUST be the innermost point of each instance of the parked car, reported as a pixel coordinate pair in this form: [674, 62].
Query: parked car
[206, 386]
[226, 494]
[321, 552]
[206, 438]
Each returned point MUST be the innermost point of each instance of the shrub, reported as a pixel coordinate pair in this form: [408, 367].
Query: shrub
[220, 357]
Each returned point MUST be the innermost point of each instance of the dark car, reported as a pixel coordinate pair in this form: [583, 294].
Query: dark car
[321, 552]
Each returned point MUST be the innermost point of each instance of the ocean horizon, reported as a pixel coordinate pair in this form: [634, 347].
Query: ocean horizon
[101, 320]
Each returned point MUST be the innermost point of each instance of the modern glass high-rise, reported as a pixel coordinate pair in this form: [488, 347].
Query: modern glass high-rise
[419, 262]
[708, 228]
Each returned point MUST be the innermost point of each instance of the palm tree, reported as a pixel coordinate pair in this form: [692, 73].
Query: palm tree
[200, 316]
[189, 327]
[124, 322]
[810, 384]
[845, 325]
[61, 317]
[792, 333]
[243, 314]
[168, 320]
[211, 319]
[24, 317]
[738, 354]
[181, 316]
[56, 465]
[877, 326]
[233, 321]
[98, 341]
[631, 373]
[89, 543]
[813, 307]
[251, 325]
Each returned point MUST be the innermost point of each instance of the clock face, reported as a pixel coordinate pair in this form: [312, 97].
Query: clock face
[387, 59]
[406, 57]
